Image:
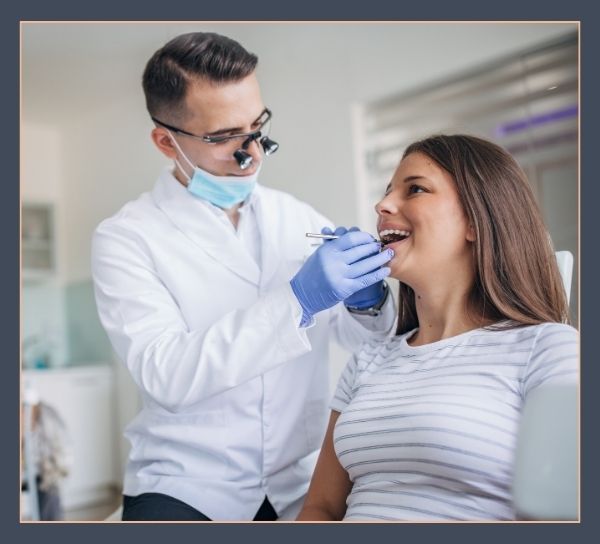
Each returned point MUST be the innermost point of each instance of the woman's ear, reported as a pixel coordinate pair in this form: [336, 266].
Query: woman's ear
[471, 233]
[162, 140]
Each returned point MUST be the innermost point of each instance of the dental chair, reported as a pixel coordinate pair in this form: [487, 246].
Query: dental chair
[545, 485]
[564, 260]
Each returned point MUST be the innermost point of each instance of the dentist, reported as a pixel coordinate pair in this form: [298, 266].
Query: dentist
[219, 306]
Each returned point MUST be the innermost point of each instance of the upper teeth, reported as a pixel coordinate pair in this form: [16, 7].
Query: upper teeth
[387, 232]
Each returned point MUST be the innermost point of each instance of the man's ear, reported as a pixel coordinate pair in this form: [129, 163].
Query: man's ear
[163, 142]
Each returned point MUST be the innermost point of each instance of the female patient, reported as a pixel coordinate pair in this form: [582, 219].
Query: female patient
[423, 426]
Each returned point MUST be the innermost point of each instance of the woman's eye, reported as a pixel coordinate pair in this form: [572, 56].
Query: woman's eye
[415, 189]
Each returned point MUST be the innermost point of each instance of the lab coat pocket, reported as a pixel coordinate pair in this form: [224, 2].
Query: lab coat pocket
[315, 423]
[186, 443]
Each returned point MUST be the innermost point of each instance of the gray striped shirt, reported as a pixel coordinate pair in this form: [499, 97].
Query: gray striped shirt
[429, 432]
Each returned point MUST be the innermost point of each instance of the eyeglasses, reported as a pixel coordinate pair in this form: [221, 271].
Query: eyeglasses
[235, 145]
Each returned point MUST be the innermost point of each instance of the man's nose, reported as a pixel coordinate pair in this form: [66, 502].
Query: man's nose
[252, 146]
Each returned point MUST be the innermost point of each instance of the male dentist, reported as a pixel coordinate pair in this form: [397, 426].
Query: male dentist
[219, 305]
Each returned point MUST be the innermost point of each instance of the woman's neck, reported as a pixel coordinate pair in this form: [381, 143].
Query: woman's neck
[444, 312]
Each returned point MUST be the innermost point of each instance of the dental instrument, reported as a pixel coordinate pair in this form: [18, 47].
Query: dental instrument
[329, 236]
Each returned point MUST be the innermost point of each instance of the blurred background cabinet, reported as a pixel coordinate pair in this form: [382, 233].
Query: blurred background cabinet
[37, 241]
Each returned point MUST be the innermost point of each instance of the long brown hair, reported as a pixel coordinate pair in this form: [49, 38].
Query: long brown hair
[517, 281]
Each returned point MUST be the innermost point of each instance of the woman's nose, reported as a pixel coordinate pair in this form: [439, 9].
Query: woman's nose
[386, 206]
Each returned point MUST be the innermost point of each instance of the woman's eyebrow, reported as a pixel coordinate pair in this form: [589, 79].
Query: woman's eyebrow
[412, 178]
[405, 180]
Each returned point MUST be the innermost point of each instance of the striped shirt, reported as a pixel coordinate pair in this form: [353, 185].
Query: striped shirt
[429, 432]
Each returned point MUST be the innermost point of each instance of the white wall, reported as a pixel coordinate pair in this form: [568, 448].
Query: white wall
[43, 177]
[311, 74]
[41, 161]
[111, 160]
[42, 311]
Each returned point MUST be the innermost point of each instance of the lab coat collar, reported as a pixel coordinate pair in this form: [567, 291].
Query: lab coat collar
[194, 218]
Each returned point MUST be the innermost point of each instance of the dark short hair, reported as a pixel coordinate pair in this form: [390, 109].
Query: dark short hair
[188, 57]
[517, 278]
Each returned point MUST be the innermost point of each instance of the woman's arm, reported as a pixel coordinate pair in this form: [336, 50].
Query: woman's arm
[330, 484]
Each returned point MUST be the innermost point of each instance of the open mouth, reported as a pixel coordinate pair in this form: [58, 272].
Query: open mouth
[389, 236]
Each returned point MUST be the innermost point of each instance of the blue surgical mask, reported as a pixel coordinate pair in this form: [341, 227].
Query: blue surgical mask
[222, 191]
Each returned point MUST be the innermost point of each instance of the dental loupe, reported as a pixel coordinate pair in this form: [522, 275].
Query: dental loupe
[244, 159]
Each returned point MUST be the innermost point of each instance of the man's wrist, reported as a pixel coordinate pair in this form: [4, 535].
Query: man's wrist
[306, 314]
[373, 310]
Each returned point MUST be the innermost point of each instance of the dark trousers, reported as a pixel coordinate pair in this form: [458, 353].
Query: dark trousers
[159, 507]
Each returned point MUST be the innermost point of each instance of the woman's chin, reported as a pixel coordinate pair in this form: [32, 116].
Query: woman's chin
[403, 277]
[399, 274]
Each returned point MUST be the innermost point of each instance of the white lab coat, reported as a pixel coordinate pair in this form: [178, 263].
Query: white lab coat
[235, 393]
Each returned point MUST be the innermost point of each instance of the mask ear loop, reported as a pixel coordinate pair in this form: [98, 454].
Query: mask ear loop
[177, 163]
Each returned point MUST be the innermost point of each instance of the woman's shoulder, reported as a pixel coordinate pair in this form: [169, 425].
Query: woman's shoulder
[557, 328]
[556, 334]
[547, 330]
[532, 335]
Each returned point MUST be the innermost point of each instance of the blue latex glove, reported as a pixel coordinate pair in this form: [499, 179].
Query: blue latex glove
[367, 297]
[338, 269]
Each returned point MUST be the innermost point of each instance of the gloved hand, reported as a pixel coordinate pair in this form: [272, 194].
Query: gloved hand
[338, 269]
[367, 297]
